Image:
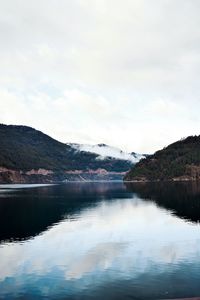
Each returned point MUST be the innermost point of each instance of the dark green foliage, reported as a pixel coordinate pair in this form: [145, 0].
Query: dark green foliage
[24, 148]
[169, 163]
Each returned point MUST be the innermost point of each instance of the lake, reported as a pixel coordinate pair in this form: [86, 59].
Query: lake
[100, 241]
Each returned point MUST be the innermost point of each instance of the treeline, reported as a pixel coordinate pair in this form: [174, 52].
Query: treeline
[173, 161]
[24, 148]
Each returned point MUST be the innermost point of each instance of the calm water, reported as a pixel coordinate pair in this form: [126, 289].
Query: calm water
[100, 241]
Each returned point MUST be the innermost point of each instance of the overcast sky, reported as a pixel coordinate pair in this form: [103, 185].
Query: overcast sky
[120, 72]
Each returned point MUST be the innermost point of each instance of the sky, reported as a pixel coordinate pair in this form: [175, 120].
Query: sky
[120, 72]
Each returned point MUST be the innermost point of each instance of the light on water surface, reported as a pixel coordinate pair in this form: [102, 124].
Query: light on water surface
[100, 241]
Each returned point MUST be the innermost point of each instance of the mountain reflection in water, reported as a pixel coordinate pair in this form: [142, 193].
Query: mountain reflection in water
[100, 241]
[183, 199]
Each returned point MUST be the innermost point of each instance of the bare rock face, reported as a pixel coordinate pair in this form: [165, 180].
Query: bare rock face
[39, 172]
[193, 172]
[48, 176]
[10, 176]
[32, 176]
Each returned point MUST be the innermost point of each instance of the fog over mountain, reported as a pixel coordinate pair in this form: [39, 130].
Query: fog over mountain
[30, 156]
[105, 151]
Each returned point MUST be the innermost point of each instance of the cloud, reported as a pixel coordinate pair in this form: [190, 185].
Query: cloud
[122, 64]
[105, 151]
[101, 256]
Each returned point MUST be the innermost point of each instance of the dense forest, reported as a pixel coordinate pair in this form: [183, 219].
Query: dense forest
[178, 161]
[24, 148]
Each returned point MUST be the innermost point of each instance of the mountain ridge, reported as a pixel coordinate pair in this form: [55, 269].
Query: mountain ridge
[180, 161]
[29, 155]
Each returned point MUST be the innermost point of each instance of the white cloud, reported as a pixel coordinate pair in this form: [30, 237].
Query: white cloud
[102, 71]
[105, 151]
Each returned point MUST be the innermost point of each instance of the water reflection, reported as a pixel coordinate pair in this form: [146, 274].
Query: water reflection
[104, 242]
[183, 199]
[27, 212]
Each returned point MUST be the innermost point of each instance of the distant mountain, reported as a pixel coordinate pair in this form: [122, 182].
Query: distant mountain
[179, 161]
[104, 152]
[28, 155]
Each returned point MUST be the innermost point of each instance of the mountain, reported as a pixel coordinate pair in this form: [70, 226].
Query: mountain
[105, 152]
[179, 161]
[28, 155]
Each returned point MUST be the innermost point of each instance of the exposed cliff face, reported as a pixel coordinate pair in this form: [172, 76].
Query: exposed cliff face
[179, 161]
[9, 176]
[48, 176]
[32, 176]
